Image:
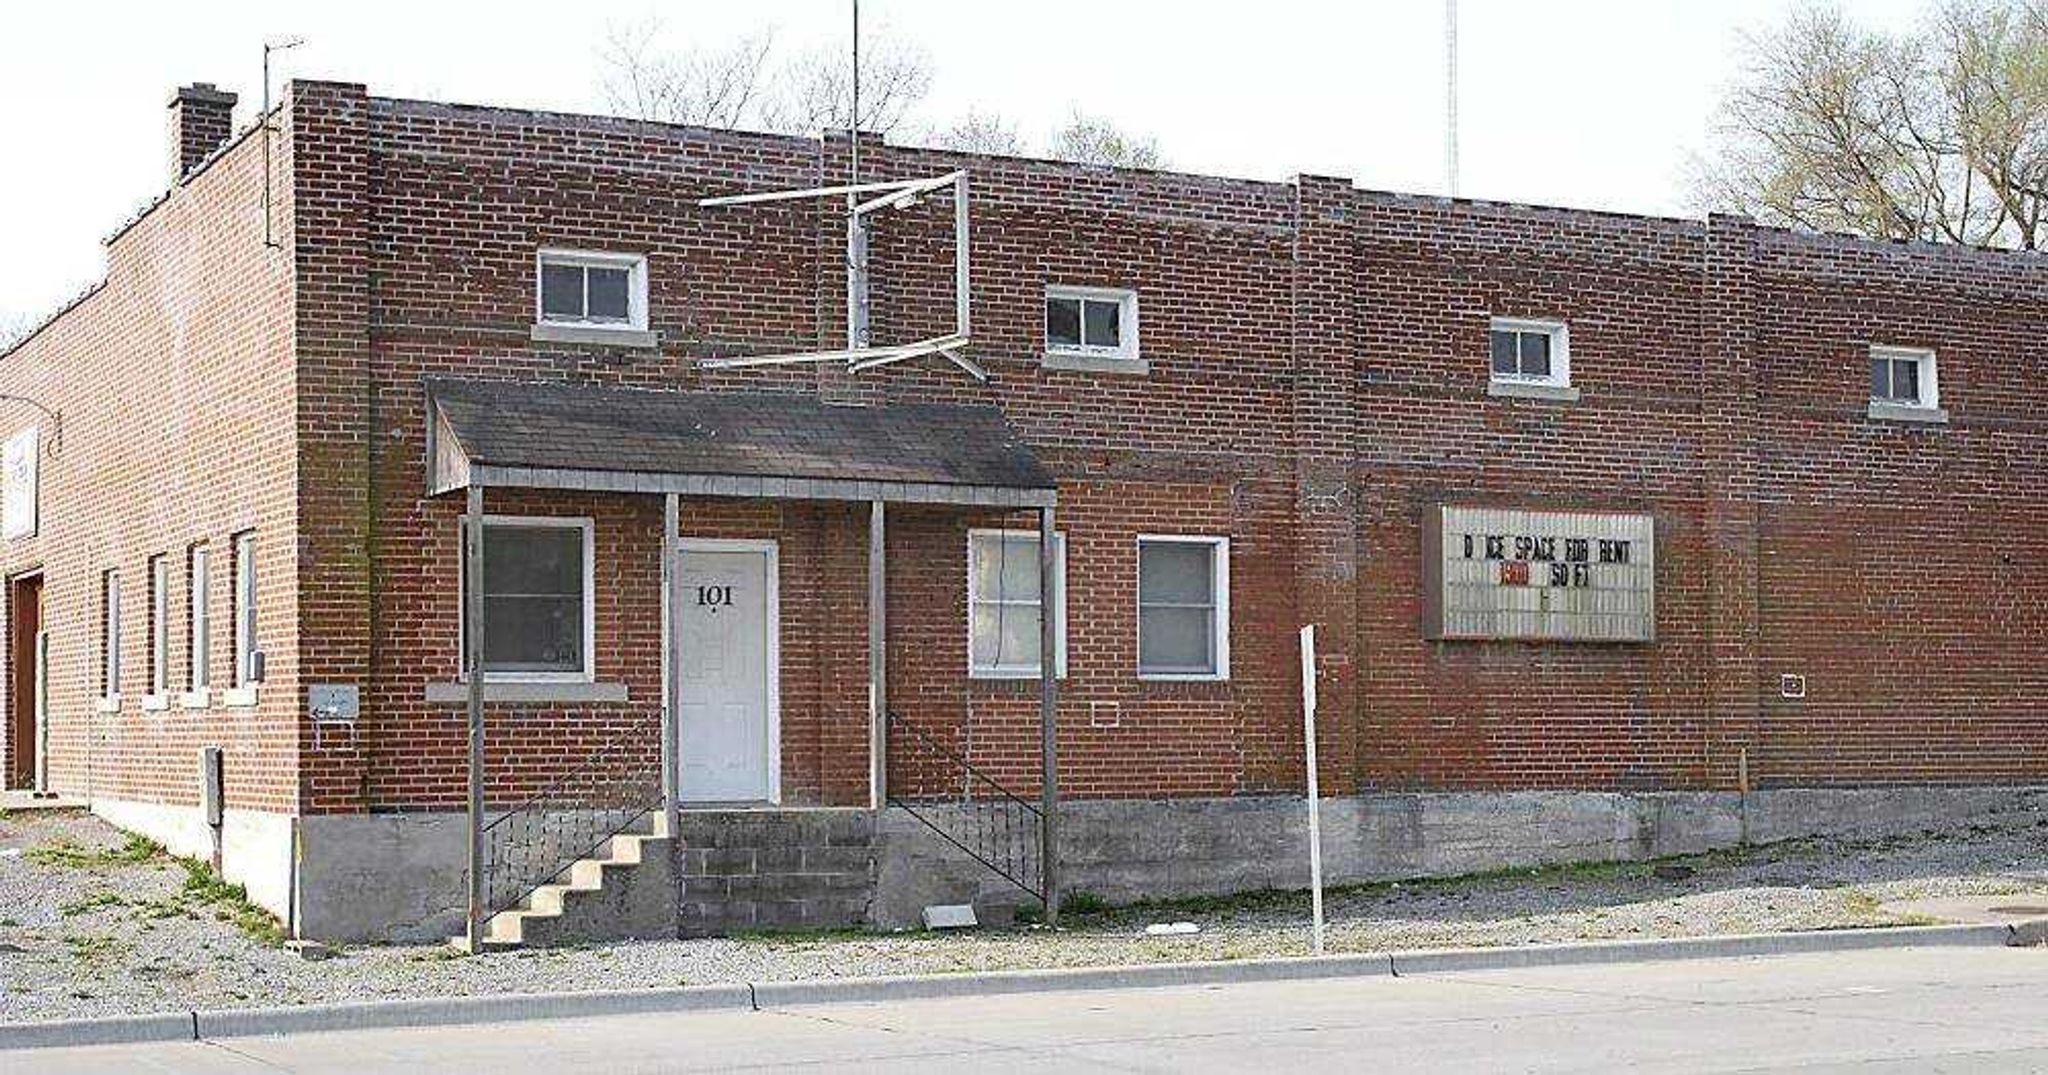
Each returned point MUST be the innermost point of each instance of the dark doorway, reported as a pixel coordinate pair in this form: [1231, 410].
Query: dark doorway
[26, 649]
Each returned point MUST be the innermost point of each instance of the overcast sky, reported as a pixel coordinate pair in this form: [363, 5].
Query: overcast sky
[1589, 103]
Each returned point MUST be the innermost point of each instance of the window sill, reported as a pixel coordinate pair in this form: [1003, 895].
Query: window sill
[1557, 393]
[240, 697]
[1906, 412]
[1058, 360]
[108, 703]
[1178, 677]
[596, 334]
[591, 693]
[156, 703]
[981, 675]
[198, 699]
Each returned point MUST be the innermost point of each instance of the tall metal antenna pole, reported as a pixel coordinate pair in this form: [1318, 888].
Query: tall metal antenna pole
[1451, 96]
[270, 129]
[856, 230]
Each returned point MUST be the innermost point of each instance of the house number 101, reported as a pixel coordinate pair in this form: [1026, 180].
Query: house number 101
[714, 597]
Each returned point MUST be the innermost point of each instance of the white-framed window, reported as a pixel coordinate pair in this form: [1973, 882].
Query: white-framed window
[1530, 352]
[159, 626]
[248, 655]
[1904, 377]
[590, 289]
[540, 622]
[198, 628]
[1003, 604]
[1091, 322]
[110, 635]
[1183, 607]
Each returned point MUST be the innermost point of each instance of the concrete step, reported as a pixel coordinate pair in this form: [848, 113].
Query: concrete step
[627, 891]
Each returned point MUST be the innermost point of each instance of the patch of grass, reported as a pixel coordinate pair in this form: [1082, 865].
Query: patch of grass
[92, 947]
[230, 903]
[67, 853]
[90, 902]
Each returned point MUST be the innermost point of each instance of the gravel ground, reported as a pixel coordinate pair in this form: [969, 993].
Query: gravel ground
[108, 935]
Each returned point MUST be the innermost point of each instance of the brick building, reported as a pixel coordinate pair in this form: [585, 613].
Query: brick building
[1621, 534]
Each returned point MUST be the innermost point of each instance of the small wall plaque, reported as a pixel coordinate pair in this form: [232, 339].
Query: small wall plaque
[333, 702]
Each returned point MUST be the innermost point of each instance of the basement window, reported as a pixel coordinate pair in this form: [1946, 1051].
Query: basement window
[1003, 604]
[539, 625]
[1091, 327]
[1184, 608]
[591, 290]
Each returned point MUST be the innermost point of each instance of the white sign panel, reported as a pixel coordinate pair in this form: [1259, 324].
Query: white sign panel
[1570, 576]
[18, 485]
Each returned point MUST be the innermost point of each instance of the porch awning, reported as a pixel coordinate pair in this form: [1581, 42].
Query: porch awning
[756, 444]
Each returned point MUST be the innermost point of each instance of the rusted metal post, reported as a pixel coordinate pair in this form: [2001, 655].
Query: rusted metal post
[473, 667]
[878, 657]
[671, 777]
[1048, 703]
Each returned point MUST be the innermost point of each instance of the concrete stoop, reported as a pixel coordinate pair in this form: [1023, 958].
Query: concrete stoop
[626, 893]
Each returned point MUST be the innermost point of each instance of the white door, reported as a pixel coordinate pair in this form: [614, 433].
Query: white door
[725, 660]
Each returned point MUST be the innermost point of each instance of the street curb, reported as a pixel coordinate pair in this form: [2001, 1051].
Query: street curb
[740, 996]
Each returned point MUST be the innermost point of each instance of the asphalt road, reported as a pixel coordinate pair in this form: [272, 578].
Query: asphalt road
[1955, 1009]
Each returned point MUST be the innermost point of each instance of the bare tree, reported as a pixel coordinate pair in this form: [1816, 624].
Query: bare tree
[1940, 135]
[711, 88]
[747, 83]
[14, 327]
[979, 132]
[814, 90]
[1092, 140]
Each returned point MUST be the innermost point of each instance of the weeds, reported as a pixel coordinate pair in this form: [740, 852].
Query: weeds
[91, 902]
[230, 903]
[134, 851]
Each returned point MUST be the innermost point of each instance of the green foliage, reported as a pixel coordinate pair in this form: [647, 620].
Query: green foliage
[67, 853]
[230, 903]
[91, 902]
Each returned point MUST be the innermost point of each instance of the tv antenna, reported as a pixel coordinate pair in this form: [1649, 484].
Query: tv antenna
[270, 45]
[860, 352]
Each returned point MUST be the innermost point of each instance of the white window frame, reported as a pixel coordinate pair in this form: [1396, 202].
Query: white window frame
[1560, 351]
[585, 525]
[1126, 349]
[243, 551]
[1219, 566]
[1930, 375]
[1059, 613]
[636, 288]
[110, 638]
[159, 626]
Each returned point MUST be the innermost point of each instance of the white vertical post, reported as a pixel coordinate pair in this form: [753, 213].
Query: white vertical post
[1315, 826]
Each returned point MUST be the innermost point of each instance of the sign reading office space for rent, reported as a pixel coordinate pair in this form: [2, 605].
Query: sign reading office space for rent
[1567, 576]
[18, 485]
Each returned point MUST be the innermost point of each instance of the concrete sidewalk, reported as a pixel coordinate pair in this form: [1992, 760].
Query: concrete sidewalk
[1957, 1009]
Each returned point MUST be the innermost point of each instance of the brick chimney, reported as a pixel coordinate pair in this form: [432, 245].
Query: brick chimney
[201, 120]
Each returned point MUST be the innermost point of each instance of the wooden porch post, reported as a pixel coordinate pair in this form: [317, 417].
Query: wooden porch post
[671, 518]
[1048, 698]
[473, 667]
[878, 658]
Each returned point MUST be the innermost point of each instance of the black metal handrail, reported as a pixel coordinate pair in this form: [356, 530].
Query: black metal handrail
[536, 841]
[1003, 831]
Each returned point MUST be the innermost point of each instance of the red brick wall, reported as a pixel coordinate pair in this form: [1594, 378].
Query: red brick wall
[175, 382]
[1318, 380]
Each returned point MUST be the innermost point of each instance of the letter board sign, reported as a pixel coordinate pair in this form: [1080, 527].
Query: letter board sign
[1566, 576]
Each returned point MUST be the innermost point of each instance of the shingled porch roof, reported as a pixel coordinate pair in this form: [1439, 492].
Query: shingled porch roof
[754, 444]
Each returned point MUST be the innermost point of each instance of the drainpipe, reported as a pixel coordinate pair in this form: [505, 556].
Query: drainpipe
[671, 518]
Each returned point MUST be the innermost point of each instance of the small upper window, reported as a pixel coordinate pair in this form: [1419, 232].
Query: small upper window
[1531, 352]
[1091, 322]
[592, 289]
[1903, 377]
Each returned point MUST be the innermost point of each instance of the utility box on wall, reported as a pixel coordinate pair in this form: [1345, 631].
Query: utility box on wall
[1560, 576]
